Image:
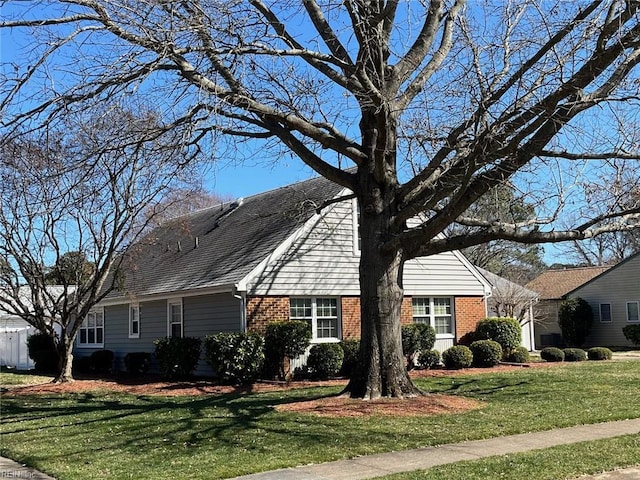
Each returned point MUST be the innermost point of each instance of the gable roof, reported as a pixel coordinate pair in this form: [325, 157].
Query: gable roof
[218, 246]
[555, 284]
[504, 286]
[608, 271]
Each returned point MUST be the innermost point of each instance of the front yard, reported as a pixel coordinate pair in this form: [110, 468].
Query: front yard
[100, 433]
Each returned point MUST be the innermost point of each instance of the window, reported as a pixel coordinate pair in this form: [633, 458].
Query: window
[320, 313]
[437, 312]
[134, 321]
[174, 314]
[605, 312]
[92, 329]
[632, 312]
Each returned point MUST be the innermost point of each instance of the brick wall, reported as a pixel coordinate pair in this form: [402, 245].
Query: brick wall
[262, 310]
[350, 309]
[469, 311]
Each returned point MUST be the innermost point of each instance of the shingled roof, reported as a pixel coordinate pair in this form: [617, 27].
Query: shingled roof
[555, 284]
[219, 246]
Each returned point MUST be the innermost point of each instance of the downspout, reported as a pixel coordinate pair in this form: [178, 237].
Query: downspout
[242, 296]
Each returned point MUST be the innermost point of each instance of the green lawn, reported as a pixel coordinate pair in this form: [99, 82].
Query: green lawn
[99, 434]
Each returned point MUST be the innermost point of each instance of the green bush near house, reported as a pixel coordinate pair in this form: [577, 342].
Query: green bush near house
[42, 350]
[325, 360]
[429, 359]
[137, 363]
[632, 333]
[574, 355]
[416, 338]
[552, 354]
[102, 361]
[599, 353]
[519, 355]
[351, 359]
[284, 340]
[235, 357]
[456, 357]
[486, 353]
[504, 330]
[177, 356]
[575, 318]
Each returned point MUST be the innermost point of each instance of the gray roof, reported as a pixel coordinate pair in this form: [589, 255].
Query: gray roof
[501, 284]
[219, 246]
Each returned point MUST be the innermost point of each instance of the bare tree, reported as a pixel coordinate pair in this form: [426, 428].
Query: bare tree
[72, 200]
[467, 96]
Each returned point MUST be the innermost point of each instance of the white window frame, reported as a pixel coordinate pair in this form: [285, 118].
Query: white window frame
[134, 319]
[637, 319]
[431, 316]
[315, 317]
[600, 313]
[170, 303]
[98, 316]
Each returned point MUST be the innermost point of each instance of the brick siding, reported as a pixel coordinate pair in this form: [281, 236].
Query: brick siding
[469, 311]
[262, 310]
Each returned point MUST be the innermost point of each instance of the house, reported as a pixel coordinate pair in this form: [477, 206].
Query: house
[614, 296]
[552, 287]
[508, 299]
[290, 253]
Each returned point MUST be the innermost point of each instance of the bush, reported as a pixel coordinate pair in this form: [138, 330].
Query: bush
[599, 353]
[632, 333]
[42, 351]
[486, 353]
[552, 354]
[325, 360]
[101, 361]
[137, 363]
[82, 364]
[351, 349]
[506, 331]
[416, 338]
[177, 356]
[519, 355]
[456, 357]
[235, 357]
[283, 340]
[429, 358]
[575, 318]
[574, 355]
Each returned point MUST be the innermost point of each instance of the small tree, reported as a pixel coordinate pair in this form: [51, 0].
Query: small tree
[506, 331]
[285, 340]
[575, 318]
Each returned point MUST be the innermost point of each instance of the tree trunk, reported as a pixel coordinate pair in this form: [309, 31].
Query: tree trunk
[65, 361]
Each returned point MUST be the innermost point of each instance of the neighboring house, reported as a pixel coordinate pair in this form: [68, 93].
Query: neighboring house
[290, 253]
[614, 296]
[552, 287]
[508, 299]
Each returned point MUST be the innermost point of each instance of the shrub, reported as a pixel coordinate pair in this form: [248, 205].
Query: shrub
[42, 351]
[456, 357]
[575, 318]
[486, 353]
[520, 355]
[283, 340]
[599, 353]
[506, 331]
[351, 349]
[429, 358]
[632, 333]
[82, 364]
[574, 355]
[137, 363]
[325, 360]
[101, 361]
[552, 354]
[416, 338]
[235, 357]
[426, 336]
[177, 356]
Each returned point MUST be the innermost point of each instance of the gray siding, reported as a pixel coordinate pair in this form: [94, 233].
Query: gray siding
[324, 261]
[616, 286]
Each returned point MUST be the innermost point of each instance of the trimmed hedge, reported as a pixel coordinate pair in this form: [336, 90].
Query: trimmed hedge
[288, 339]
[574, 355]
[456, 357]
[325, 360]
[599, 353]
[552, 354]
[486, 353]
[632, 333]
[504, 330]
[429, 359]
[177, 356]
[416, 338]
[137, 363]
[235, 357]
[351, 358]
[42, 350]
[520, 355]
[101, 361]
[575, 318]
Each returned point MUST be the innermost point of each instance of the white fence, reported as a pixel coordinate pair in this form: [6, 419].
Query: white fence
[13, 348]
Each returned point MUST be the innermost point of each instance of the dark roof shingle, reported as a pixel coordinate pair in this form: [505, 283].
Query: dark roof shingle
[554, 284]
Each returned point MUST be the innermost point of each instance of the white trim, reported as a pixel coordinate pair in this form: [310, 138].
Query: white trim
[152, 297]
[432, 314]
[637, 311]
[314, 317]
[487, 286]
[171, 302]
[354, 227]
[94, 312]
[133, 306]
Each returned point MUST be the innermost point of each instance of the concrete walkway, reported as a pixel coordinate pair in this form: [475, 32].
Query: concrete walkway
[372, 466]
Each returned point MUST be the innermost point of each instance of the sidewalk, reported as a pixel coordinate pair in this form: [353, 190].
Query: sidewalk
[409, 460]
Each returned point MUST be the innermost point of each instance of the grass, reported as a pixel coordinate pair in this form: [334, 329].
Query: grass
[98, 434]
[12, 378]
